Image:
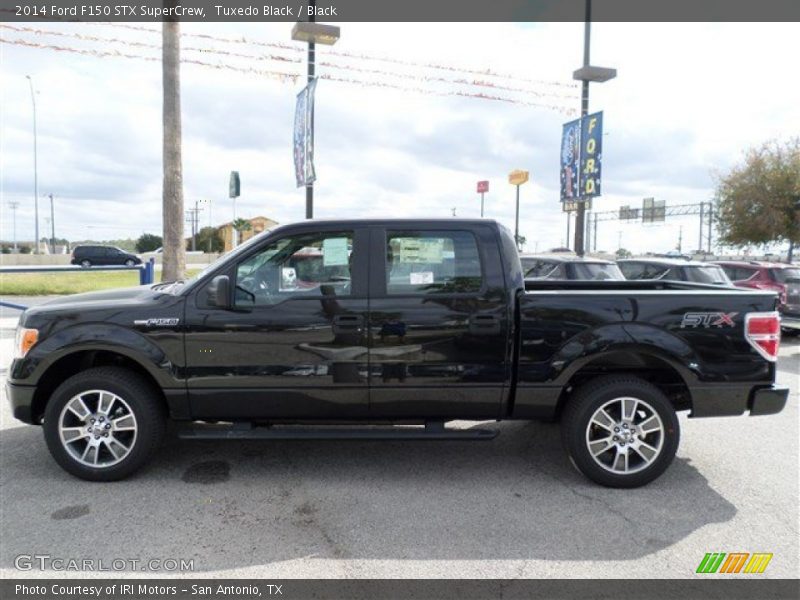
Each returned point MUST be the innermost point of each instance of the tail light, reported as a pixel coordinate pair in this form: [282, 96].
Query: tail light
[763, 331]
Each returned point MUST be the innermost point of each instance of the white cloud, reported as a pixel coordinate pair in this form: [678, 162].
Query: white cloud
[688, 100]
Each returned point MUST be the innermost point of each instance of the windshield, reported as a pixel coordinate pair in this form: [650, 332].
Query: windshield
[597, 271]
[707, 275]
[783, 275]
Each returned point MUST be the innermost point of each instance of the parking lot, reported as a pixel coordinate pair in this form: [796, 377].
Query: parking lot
[511, 507]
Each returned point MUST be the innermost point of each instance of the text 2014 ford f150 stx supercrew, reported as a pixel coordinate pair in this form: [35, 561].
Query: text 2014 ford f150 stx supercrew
[334, 329]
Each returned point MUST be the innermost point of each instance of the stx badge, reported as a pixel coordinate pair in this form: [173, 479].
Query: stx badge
[708, 319]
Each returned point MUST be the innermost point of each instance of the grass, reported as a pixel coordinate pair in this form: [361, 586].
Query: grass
[71, 282]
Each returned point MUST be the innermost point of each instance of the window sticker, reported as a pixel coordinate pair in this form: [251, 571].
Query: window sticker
[335, 252]
[288, 279]
[421, 278]
[421, 250]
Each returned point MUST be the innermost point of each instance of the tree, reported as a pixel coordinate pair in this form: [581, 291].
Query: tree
[148, 242]
[172, 202]
[757, 200]
[623, 253]
[241, 225]
[209, 240]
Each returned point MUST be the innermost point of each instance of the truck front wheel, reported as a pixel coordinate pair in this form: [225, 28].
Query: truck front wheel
[620, 431]
[103, 423]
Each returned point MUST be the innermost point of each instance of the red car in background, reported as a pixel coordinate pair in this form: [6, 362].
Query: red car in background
[779, 277]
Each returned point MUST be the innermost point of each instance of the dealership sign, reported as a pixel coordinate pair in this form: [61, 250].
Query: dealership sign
[483, 187]
[581, 158]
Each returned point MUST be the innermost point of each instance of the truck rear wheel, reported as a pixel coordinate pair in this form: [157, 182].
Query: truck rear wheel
[620, 431]
[103, 423]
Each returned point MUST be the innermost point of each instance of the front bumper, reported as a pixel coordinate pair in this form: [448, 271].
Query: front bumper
[790, 320]
[21, 398]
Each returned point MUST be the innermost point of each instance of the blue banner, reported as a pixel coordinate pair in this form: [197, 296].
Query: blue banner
[304, 136]
[570, 156]
[591, 154]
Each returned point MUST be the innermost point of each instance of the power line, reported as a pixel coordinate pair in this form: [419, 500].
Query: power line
[282, 76]
[480, 83]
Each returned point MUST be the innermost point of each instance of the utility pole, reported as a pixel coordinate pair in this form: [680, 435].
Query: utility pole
[52, 226]
[172, 193]
[702, 222]
[680, 238]
[569, 222]
[194, 218]
[35, 171]
[311, 63]
[13, 205]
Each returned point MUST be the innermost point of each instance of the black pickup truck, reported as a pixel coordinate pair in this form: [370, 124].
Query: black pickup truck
[375, 329]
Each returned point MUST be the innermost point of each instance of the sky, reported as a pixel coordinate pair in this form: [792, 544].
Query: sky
[688, 100]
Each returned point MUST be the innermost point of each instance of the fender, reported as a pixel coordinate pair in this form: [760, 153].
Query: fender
[634, 338]
[100, 336]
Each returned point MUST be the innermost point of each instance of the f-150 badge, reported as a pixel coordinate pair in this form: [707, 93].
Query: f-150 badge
[171, 322]
[708, 319]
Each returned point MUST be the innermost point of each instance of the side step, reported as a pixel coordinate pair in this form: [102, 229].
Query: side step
[434, 430]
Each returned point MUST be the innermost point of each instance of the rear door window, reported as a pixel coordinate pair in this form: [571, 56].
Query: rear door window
[432, 262]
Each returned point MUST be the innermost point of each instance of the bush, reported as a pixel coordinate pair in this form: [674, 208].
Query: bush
[148, 242]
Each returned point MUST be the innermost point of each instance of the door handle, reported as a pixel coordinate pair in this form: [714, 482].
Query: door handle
[348, 324]
[484, 325]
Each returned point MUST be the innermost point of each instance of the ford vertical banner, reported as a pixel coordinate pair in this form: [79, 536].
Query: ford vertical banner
[304, 136]
[570, 157]
[591, 154]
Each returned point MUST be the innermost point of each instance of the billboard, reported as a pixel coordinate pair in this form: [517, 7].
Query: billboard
[304, 136]
[570, 156]
[591, 154]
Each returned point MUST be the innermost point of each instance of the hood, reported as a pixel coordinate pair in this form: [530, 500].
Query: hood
[130, 297]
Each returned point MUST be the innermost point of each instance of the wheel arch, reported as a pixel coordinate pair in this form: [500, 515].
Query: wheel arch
[80, 360]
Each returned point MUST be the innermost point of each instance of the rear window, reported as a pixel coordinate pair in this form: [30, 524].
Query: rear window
[597, 271]
[783, 275]
[706, 275]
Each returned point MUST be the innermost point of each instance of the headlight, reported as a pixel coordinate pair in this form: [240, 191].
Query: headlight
[24, 341]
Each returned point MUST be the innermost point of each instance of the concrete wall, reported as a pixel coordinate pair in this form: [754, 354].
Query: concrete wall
[10, 260]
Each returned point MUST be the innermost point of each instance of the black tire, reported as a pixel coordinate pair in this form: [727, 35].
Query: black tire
[86, 263]
[144, 402]
[576, 421]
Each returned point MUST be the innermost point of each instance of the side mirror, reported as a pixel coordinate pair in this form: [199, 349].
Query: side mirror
[219, 292]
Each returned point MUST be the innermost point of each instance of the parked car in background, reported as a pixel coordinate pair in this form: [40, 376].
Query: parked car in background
[89, 256]
[568, 267]
[675, 269]
[777, 277]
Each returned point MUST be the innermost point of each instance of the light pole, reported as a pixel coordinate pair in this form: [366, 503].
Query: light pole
[35, 172]
[313, 33]
[52, 226]
[13, 205]
[516, 178]
[586, 74]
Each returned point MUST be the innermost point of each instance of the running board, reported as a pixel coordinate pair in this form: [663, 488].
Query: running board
[246, 431]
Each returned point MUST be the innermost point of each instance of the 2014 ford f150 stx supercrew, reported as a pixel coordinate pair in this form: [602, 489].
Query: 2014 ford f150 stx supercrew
[376, 329]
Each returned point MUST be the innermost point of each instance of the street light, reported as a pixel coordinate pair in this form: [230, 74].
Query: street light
[35, 172]
[14, 205]
[313, 33]
[586, 74]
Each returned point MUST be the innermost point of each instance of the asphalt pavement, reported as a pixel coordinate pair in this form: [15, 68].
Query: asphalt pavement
[511, 507]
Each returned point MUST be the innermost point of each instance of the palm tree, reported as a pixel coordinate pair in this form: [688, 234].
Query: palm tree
[241, 225]
[172, 203]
